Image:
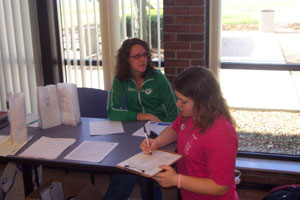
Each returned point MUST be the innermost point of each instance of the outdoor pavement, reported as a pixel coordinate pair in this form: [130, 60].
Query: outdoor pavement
[258, 89]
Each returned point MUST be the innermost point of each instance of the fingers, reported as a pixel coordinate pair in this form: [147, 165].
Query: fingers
[165, 178]
[152, 117]
[145, 148]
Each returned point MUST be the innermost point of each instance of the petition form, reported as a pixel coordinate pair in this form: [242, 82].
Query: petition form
[105, 127]
[91, 151]
[48, 148]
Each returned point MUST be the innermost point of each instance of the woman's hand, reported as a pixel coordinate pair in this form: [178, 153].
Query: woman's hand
[153, 146]
[147, 116]
[167, 178]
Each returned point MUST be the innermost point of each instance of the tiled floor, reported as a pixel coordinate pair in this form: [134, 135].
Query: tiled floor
[101, 182]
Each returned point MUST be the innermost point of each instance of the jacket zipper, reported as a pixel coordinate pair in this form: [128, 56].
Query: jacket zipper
[139, 95]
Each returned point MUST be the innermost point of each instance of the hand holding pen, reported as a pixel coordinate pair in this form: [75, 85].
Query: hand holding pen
[147, 140]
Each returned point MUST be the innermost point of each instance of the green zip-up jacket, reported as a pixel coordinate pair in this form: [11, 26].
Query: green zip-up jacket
[156, 96]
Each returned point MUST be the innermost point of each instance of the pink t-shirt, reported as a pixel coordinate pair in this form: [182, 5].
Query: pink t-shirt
[209, 155]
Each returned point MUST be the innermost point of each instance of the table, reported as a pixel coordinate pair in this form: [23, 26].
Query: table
[128, 146]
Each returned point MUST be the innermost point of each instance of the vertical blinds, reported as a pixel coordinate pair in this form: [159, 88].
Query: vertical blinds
[17, 66]
[80, 23]
[82, 40]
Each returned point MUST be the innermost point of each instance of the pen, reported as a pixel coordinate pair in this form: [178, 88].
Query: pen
[32, 122]
[147, 139]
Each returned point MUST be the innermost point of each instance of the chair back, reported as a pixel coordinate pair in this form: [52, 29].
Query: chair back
[92, 102]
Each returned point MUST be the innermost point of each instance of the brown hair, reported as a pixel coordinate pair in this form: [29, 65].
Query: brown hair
[123, 66]
[200, 84]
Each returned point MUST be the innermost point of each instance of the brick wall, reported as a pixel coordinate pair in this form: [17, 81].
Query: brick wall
[184, 35]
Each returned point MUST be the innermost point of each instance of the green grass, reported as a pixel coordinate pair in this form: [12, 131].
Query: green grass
[248, 11]
[231, 19]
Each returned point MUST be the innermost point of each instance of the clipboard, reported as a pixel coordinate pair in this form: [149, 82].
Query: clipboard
[148, 165]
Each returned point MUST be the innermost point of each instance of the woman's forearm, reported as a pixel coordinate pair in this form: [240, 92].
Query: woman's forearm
[166, 137]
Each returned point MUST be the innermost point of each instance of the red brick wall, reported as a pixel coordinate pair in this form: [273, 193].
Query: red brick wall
[184, 35]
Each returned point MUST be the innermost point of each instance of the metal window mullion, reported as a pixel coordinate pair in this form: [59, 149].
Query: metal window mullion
[11, 46]
[73, 44]
[81, 43]
[20, 50]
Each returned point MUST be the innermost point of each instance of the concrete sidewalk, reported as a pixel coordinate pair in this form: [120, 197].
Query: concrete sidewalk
[261, 89]
[258, 89]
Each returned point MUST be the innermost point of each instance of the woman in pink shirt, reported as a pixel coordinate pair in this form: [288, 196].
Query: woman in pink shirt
[205, 135]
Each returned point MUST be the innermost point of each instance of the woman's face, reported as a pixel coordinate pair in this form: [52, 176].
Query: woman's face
[185, 104]
[137, 59]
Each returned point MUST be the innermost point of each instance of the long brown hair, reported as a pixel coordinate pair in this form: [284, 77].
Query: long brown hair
[200, 84]
[123, 66]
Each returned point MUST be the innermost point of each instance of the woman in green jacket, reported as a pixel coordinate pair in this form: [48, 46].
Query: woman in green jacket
[147, 92]
[148, 95]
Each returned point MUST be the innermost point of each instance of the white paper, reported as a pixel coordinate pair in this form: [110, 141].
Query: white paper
[149, 164]
[91, 151]
[32, 120]
[156, 127]
[105, 127]
[48, 148]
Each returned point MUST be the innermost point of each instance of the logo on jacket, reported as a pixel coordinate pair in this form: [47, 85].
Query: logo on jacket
[148, 91]
[131, 89]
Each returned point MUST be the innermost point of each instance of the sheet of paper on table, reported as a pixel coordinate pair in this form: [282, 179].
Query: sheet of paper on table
[47, 148]
[105, 127]
[156, 127]
[91, 151]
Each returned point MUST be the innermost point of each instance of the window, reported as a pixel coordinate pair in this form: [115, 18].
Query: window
[260, 75]
[83, 39]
